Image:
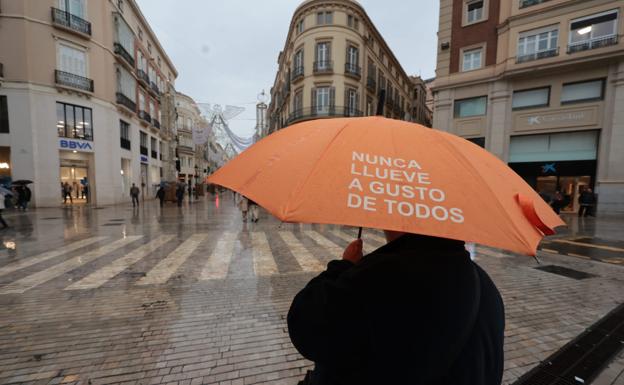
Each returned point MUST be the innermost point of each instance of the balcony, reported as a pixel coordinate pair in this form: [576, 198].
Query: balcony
[142, 75]
[323, 67]
[528, 3]
[70, 80]
[156, 123]
[371, 84]
[71, 22]
[537, 55]
[598, 42]
[125, 144]
[126, 102]
[154, 154]
[297, 74]
[327, 112]
[353, 70]
[143, 150]
[121, 52]
[154, 88]
[144, 116]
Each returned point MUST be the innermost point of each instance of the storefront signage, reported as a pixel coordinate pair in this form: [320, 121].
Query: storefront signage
[561, 118]
[75, 145]
[144, 159]
[549, 167]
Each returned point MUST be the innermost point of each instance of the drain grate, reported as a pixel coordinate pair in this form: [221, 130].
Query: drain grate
[116, 220]
[112, 224]
[566, 272]
[582, 359]
[51, 218]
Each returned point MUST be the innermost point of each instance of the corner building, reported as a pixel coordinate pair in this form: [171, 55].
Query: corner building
[336, 64]
[540, 84]
[86, 97]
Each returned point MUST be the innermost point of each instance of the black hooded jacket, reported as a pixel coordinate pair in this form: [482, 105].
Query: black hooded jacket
[406, 314]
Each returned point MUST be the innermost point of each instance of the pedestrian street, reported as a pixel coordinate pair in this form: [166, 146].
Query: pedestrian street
[193, 295]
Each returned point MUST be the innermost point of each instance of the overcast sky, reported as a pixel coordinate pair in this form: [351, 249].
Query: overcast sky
[226, 51]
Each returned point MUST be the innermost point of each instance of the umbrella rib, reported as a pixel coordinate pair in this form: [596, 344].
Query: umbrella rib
[301, 185]
[498, 202]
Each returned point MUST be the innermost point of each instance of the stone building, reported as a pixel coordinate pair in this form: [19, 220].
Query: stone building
[539, 83]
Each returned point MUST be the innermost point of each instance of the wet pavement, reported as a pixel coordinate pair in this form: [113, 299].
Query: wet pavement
[186, 296]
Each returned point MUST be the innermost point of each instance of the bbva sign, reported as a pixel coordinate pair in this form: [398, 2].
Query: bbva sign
[76, 145]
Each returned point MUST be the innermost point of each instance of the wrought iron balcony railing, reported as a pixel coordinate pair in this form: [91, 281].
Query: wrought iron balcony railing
[323, 66]
[126, 101]
[598, 42]
[143, 115]
[154, 88]
[73, 81]
[297, 73]
[66, 20]
[353, 70]
[143, 76]
[537, 55]
[121, 51]
[156, 123]
[322, 112]
[125, 143]
[144, 150]
[371, 84]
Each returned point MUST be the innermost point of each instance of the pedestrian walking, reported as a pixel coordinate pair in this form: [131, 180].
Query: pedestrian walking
[190, 190]
[254, 210]
[557, 202]
[67, 193]
[21, 197]
[160, 194]
[180, 193]
[415, 311]
[3, 197]
[85, 191]
[134, 193]
[586, 201]
[243, 205]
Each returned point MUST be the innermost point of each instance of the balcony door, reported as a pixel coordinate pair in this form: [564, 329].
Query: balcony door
[592, 28]
[323, 100]
[74, 7]
[72, 60]
[323, 55]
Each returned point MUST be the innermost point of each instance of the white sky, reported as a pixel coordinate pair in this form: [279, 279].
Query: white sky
[226, 51]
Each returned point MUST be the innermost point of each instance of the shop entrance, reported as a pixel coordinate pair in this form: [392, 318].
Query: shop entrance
[77, 178]
[569, 186]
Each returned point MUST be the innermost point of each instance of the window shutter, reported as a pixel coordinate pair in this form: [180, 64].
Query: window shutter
[332, 97]
[313, 104]
[357, 101]
[346, 100]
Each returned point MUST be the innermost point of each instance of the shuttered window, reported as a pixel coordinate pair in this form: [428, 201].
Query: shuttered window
[72, 60]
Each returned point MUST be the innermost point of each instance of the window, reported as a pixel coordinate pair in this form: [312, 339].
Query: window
[72, 60]
[539, 97]
[4, 115]
[353, 22]
[472, 59]
[353, 56]
[149, 47]
[323, 56]
[474, 11]
[300, 26]
[323, 98]
[143, 139]
[465, 108]
[382, 81]
[352, 102]
[152, 110]
[120, 5]
[124, 35]
[74, 121]
[75, 7]
[140, 34]
[154, 144]
[325, 18]
[124, 134]
[582, 91]
[298, 101]
[298, 59]
[593, 31]
[126, 84]
[538, 44]
[141, 101]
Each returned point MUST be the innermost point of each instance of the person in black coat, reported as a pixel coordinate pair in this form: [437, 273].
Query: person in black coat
[415, 311]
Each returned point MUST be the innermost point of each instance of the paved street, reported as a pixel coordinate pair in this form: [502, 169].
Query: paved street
[194, 296]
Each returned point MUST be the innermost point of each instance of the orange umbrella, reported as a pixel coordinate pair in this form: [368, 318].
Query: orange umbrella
[390, 174]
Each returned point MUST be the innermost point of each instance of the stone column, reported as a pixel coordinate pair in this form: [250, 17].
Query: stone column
[443, 111]
[499, 120]
[610, 178]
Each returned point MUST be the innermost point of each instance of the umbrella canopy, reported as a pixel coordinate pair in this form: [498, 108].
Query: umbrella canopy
[21, 182]
[390, 174]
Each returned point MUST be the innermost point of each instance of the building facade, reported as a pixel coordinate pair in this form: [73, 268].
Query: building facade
[335, 63]
[192, 156]
[82, 99]
[540, 84]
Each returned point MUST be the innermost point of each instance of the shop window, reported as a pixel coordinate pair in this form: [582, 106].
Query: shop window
[478, 141]
[74, 121]
[472, 59]
[534, 98]
[4, 115]
[124, 133]
[582, 91]
[465, 108]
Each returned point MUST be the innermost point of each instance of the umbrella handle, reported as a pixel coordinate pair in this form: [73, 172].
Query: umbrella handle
[360, 234]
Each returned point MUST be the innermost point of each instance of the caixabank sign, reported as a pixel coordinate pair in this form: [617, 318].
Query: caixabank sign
[75, 145]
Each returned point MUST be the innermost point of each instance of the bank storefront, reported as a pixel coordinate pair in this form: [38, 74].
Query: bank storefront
[557, 161]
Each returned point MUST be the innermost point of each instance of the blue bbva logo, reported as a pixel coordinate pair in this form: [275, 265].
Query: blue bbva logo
[73, 145]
